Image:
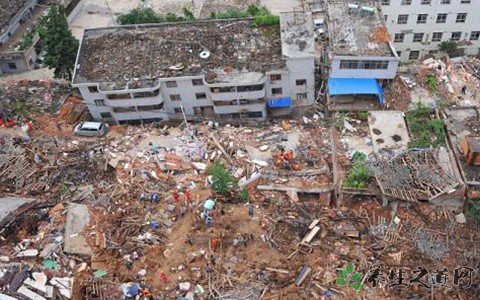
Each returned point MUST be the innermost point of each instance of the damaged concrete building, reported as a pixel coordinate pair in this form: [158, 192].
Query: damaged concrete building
[360, 54]
[13, 16]
[227, 69]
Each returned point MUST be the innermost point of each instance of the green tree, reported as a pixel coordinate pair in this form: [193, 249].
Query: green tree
[222, 181]
[59, 44]
[451, 48]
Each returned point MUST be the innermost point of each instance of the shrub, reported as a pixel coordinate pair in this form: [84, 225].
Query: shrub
[222, 181]
[425, 132]
[451, 48]
[359, 174]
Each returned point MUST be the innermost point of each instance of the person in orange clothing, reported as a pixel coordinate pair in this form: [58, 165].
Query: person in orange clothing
[214, 244]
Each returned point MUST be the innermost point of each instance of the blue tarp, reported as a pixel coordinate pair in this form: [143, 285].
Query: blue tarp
[209, 204]
[352, 86]
[280, 102]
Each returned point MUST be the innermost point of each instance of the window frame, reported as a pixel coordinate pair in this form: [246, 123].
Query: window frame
[275, 91]
[445, 1]
[99, 102]
[201, 98]
[406, 2]
[410, 55]
[275, 77]
[434, 39]
[173, 97]
[442, 20]
[402, 16]
[197, 82]
[462, 20]
[415, 37]
[421, 20]
[425, 2]
[303, 82]
[477, 36]
[385, 2]
[398, 34]
[171, 84]
[455, 39]
[12, 66]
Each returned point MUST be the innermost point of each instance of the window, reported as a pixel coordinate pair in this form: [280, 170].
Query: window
[146, 94]
[106, 115]
[456, 35]
[461, 17]
[118, 96]
[399, 37]
[426, 2]
[197, 81]
[200, 96]
[422, 18]
[402, 19]
[12, 66]
[301, 96]
[301, 82]
[93, 89]
[171, 84]
[441, 18]
[437, 36]
[385, 17]
[175, 97]
[124, 109]
[474, 35]
[465, 1]
[385, 2]
[99, 102]
[277, 91]
[445, 2]
[399, 53]
[414, 55]
[374, 64]
[150, 107]
[349, 64]
[406, 2]
[417, 37]
[275, 77]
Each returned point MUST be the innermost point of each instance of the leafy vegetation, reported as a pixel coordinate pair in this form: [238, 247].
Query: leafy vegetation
[147, 15]
[432, 82]
[222, 182]
[474, 210]
[59, 44]
[359, 174]
[425, 132]
[262, 16]
[348, 276]
[451, 48]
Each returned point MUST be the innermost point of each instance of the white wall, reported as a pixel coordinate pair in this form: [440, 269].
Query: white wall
[395, 8]
[388, 73]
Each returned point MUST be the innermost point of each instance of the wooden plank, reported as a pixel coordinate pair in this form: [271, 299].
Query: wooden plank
[310, 235]
[326, 189]
[313, 224]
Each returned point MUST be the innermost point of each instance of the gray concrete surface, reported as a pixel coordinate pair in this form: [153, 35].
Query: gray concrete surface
[10, 204]
[78, 218]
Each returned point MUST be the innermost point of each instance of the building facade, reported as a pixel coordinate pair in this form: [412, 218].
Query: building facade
[417, 27]
[269, 75]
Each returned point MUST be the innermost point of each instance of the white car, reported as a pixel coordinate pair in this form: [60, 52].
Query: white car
[91, 129]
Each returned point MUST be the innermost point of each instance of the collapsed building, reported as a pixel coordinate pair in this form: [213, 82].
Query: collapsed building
[360, 56]
[231, 69]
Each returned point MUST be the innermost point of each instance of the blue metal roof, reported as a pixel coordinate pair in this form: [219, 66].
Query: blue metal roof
[280, 102]
[352, 86]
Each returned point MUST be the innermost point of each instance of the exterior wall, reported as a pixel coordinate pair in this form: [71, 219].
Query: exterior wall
[15, 21]
[23, 61]
[231, 104]
[388, 73]
[472, 23]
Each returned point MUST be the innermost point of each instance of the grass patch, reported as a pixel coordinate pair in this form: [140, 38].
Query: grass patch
[359, 174]
[425, 132]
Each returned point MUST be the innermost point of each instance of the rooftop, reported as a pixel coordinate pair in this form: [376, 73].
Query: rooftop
[124, 53]
[8, 9]
[298, 38]
[356, 28]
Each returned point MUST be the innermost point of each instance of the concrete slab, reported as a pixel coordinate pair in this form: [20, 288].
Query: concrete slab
[78, 218]
[388, 130]
[10, 204]
[279, 6]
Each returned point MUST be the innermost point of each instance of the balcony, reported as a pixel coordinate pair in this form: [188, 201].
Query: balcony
[237, 93]
[134, 102]
[139, 115]
[230, 109]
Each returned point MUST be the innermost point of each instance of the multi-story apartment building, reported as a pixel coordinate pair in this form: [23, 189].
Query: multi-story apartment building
[418, 27]
[360, 53]
[213, 68]
[12, 15]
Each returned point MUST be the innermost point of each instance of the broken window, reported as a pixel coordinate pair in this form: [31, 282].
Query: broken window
[301, 82]
[461, 18]
[12, 66]
[349, 64]
[275, 77]
[474, 35]
[175, 97]
[277, 91]
[402, 19]
[201, 96]
[99, 102]
[441, 18]
[437, 36]
[414, 55]
[197, 82]
[422, 18]
[301, 96]
[418, 37]
[399, 37]
[106, 115]
[456, 35]
[93, 89]
[171, 84]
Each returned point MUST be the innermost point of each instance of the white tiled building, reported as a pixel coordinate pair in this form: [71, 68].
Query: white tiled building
[418, 27]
